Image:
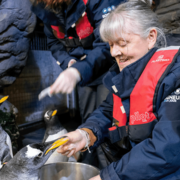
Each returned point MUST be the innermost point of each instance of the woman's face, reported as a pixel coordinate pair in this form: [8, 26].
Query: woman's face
[128, 50]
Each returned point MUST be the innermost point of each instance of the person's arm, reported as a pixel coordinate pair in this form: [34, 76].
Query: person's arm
[98, 60]
[57, 49]
[156, 157]
[99, 122]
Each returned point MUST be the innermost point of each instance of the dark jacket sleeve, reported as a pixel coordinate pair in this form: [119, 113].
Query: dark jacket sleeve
[97, 62]
[100, 120]
[159, 156]
[57, 48]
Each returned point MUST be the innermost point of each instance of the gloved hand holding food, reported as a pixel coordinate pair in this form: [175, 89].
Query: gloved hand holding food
[66, 81]
[77, 141]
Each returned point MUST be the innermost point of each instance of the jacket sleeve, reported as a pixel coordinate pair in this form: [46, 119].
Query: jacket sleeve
[98, 60]
[157, 157]
[100, 120]
[57, 48]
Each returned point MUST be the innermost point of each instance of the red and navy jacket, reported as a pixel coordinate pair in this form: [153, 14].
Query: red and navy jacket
[152, 121]
[81, 22]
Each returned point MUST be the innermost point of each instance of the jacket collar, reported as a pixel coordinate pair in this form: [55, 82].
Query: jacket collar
[74, 12]
[122, 83]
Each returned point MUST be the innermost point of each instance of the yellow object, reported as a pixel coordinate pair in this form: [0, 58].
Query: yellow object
[54, 113]
[58, 143]
[3, 99]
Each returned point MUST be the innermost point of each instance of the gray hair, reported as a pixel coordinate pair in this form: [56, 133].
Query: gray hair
[132, 17]
[149, 2]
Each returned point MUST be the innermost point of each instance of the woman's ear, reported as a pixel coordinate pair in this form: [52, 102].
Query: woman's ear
[152, 38]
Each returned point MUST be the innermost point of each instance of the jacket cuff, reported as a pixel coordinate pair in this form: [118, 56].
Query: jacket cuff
[92, 137]
[85, 71]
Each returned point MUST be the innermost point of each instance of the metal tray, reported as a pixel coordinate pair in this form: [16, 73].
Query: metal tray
[67, 171]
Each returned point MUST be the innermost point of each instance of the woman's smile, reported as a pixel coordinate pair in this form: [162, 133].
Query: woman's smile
[123, 60]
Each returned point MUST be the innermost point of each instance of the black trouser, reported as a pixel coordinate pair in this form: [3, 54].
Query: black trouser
[89, 98]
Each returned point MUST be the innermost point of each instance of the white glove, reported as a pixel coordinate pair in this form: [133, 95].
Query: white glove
[71, 62]
[77, 141]
[66, 81]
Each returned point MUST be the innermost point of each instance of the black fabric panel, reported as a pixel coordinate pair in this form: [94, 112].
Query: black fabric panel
[123, 131]
[114, 152]
[118, 134]
[138, 133]
[124, 144]
[173, 39]
[114, 136]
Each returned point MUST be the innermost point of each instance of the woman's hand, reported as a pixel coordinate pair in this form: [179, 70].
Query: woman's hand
[96, 178]
[76, 142]
[66, 81]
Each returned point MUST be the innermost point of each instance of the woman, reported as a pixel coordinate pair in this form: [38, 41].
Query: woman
[142, 108]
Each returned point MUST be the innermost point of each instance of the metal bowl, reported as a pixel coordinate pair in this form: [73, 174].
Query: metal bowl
[67, 171]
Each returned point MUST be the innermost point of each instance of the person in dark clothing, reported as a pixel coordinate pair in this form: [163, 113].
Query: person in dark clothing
[72, 30]
[73, 37]
[141, 113]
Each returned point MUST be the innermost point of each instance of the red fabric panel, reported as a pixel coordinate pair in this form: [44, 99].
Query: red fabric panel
[112, 128]
[117, 112]
[59, 34]
[83, 27]
[85, 1]
[141, 98]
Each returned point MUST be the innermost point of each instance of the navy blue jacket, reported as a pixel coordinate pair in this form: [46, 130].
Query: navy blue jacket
[98, 59]
[153, 158]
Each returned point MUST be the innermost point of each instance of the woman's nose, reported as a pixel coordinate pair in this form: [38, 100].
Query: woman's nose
[115, 50]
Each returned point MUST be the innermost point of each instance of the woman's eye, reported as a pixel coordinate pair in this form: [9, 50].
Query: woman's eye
[122, 44]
